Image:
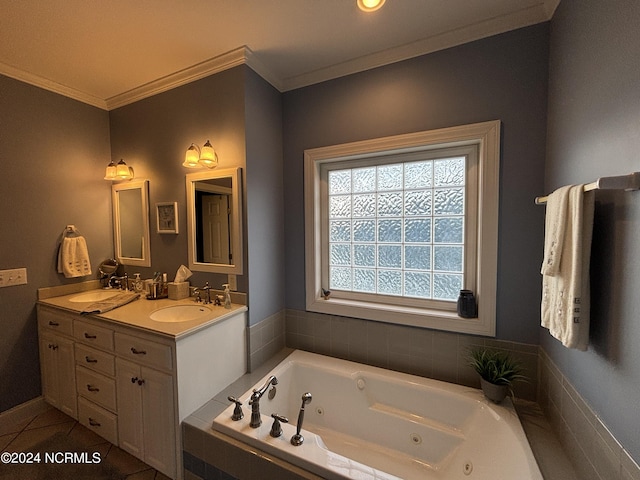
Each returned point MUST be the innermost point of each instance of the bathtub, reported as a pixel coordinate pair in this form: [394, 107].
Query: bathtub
[369, 423]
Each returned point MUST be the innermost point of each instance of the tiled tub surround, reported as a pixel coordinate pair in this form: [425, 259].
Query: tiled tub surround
[265, 339]
[592, 449]
[418, 351]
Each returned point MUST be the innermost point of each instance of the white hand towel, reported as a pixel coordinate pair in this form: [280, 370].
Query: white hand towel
[565, 294]
[554, 229]
[73, 257]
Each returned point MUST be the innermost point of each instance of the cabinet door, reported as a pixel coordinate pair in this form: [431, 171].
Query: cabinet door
[158, 421]
[58, 373]
[129, 400]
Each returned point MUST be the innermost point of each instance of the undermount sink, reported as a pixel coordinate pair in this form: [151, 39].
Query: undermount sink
[179, 313]
[93, 296]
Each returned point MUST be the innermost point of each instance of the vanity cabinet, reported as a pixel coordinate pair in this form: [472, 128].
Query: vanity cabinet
[147, 428]
[57, 362]
[133, 386]
[58, 376]
[95, 378]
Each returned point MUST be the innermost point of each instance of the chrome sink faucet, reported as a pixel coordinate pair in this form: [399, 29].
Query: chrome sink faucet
[256, 420]
[119, 282]
[206, 289]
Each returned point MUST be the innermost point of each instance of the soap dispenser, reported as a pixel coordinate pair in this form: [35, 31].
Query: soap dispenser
[227, 295]
[137, 284]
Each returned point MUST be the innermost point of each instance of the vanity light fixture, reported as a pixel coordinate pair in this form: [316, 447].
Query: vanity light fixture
[200, 157]
[121, 171]
[369, 5]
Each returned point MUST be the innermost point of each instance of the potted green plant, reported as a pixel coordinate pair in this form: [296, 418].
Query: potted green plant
[497, 370]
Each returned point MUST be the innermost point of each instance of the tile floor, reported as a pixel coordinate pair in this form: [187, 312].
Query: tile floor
[30, 432]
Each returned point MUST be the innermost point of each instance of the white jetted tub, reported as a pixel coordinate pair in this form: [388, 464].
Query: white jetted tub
[369, 423]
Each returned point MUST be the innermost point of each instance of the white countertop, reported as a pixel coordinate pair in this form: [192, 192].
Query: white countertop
[136, 314]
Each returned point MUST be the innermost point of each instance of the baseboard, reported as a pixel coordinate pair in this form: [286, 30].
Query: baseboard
[22, 412]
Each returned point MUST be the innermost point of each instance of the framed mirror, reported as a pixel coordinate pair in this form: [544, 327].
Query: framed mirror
[214, 221]
[131, 222]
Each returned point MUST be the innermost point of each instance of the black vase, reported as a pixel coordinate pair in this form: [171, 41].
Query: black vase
[467, 307]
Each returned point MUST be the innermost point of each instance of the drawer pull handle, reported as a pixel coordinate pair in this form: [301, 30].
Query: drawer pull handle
[86, 335]
[92, 389]
[90, 360]
[53, 346]
[137, 380]
[53, 324]
[137, 352]
[93, 423]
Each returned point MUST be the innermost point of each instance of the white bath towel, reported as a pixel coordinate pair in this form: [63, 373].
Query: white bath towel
[565, 285]
[73, 257]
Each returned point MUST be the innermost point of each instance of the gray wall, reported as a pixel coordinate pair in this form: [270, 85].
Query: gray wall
[153, 134]
[242, 116]
[265, 209]
[53, 153]
[594, 131]
[499, 78]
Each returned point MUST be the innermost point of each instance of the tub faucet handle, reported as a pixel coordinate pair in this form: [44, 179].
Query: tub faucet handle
[276, 428]
[237, 412]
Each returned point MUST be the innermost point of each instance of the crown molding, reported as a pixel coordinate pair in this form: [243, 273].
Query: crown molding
[182, 77]
[541, 12]
[51, 86]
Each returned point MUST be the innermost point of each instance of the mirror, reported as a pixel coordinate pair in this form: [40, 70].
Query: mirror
[214, 225]
[131, 222]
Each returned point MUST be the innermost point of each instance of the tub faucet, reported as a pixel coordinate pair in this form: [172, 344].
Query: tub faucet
[297, 439]
[256, 420]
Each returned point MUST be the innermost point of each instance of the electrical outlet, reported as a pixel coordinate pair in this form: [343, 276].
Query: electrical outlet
[232, 280]
[10, 278]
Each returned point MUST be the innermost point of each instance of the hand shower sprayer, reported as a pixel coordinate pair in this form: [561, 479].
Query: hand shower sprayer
[298, 439]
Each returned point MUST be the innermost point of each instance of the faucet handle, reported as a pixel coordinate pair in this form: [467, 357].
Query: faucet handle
[237, 412]
[276, 428]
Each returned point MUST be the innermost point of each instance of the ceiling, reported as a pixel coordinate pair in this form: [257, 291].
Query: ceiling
[110, 53]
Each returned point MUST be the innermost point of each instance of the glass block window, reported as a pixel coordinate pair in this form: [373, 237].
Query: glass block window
[395, 227]
[398, 228]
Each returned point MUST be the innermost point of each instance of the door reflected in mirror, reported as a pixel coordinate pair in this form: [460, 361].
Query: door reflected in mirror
[213, 221]
[131, 222]
[214, 207]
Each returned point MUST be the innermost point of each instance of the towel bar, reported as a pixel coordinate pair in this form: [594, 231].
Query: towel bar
[621, 182]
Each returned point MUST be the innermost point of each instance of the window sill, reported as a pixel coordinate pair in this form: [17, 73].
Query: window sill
[410, 316]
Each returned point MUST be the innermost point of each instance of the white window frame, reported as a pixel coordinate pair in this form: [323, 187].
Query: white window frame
[486, 136]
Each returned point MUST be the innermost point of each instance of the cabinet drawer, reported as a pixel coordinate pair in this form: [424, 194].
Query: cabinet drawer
[55, 322]
[96, 387]
[93, 335]
[144, 351]
[95, 359]
[99, 420]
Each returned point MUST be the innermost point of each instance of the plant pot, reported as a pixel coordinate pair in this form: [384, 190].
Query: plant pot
[495, 393]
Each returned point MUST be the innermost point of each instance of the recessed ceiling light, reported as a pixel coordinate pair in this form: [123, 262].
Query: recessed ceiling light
[369, 5]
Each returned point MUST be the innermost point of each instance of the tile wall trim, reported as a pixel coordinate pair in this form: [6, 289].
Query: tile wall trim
[265, 339]
[591, 447]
